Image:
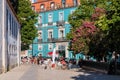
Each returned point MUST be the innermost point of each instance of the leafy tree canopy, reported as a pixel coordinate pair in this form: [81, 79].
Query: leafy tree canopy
[106, 17]
[27, 18]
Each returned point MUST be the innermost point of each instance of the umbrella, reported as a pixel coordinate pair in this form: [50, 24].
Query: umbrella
[51, 53]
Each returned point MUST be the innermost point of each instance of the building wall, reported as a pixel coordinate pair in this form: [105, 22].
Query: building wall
[57, 4]
[10, 37]
[0, 36]
[44, 27]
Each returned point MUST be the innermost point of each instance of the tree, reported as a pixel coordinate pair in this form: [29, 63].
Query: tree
[113, 18]
[82, 37]
[27, 18]
[106, 17]
[89, 11]
[14, 4]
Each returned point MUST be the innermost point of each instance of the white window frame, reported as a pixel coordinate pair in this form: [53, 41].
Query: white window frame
[40, 47]
[50, 17]
[52, 5]
[50, 46]
[30, 47]
[49, 33]
[42, 6]
[75, 2]
[60, 36]
[40, 19]
[33, 7]
[39, 37]
[72, 11]
[61, 18]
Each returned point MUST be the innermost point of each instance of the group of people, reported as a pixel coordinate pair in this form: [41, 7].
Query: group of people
[60, 63]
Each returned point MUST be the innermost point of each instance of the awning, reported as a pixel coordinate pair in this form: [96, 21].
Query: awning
[50, 54]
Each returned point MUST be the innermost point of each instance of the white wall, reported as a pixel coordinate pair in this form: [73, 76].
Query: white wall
[0, 34]
[9, 56]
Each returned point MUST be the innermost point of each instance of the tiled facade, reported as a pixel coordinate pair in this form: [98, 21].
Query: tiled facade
[52, 27]
[43, 5]
[9, 36]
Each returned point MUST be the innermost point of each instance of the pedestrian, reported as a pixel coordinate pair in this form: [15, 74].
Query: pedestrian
[80, 63]
[45, 63]
[113, 64]
[37, 60]
[70, 65]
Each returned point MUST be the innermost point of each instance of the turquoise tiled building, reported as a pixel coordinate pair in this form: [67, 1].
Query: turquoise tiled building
[52, 28]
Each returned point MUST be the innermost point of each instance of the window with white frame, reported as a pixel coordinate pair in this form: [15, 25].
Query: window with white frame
[75, 2]
[63, 3]
[61, 33]
[50, 34]
[30, 47]
[61, 16]
[40, 19]
[39, 47]
[33, 7]
[42, 6]
[52, 5]
[50, 46]
[50, 17]
[72, 11]
[39, 34]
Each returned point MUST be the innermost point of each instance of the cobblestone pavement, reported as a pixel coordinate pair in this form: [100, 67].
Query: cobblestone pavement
[35, 72]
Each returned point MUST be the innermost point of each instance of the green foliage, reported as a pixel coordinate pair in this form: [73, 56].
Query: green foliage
[106, 16]
[27, 18]
[83, 12]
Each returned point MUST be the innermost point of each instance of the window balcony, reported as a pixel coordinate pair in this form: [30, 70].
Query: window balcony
[39, 40]
[51, 40]
[50, 23]
[40, 25]
[61, 39]
[60, 23]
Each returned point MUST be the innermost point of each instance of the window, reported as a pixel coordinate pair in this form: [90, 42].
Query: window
[50, 17]
[33, 8]
[50, 34]
[52, 5]
[39, 47]
[10, 21]
[30, 47]
[61, 47]
[40, 19]
[7, 20]
[61, 16]
[61, 33]
[75, 2]
[63, 3]
[50, 46]
[72, 11]
[42, 7]
[40, 34]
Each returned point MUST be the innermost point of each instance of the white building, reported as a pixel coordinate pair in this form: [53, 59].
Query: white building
[9, 37]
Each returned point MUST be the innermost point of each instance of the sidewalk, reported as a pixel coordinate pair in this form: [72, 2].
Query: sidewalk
[37, 72]
[15, 73]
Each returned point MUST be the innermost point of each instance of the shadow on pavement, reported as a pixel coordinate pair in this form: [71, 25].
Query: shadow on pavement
[94, 75]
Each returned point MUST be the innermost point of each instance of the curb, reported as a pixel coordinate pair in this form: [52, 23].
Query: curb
[94, 69]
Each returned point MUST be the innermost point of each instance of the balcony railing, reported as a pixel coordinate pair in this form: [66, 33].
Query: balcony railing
[40, 25]
[60, 23]
[51, 40]
[50, 23]
[61, 39]
[39, 40]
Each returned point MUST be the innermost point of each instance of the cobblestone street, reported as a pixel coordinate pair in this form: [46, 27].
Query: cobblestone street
[35, 72]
